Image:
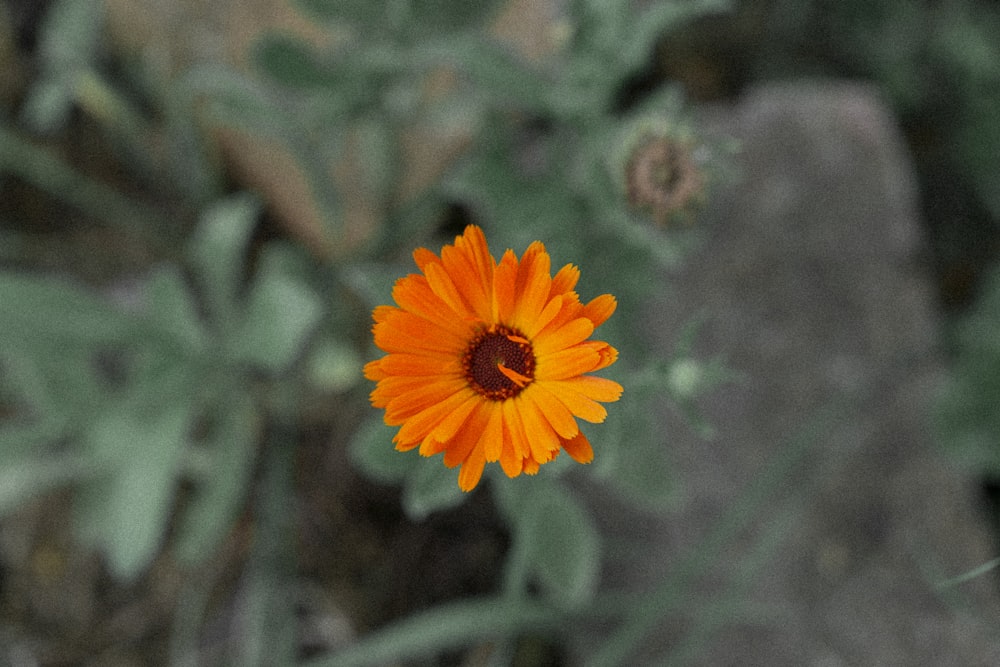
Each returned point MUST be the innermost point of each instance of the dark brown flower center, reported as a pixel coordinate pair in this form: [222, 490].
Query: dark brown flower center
[499, 363]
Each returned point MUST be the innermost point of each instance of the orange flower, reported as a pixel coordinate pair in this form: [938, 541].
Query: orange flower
[487, 361]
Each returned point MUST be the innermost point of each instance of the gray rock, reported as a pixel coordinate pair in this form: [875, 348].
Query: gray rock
[813, 287]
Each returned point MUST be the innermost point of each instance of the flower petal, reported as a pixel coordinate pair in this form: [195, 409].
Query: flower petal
[472, 469]
[599, 309]
[444, 287]
[567, 363]
[491, 439]
[540, 435]
[581, 406]
[401, 331]
[427, 365]
[467, 437]
[414, 294]
[565, 279]
[555, 411]
[596, 388]
[505, 287]
[534, 280]
[403, 396]
[579, 448]
[420, 425]
[514, 445]
[565, 336]
[471, 266]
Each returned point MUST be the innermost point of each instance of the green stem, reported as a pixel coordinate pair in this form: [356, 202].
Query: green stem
[449, 625]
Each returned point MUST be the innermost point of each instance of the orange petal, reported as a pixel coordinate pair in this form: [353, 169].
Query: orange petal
[565, 280]
[608, 354]
[597, 388]
[429, 365]
[422, 257]
[410, 395]
[414, 294]
[468, 436]
[470, 265]
[599, 309]
[455, 420]
[515, 447]
[472, 470]
[444, 287]
[380, 313]
[548, 314]
[555, 411]
[373, 370]
[579, 448]
[491, 439]
[420, 425]
[567, 363]
[505, 287]
[515, 435]
[534, 281]
[429, 446]
[581, 406]
[540, 435]
[402, 331]
[571, 333]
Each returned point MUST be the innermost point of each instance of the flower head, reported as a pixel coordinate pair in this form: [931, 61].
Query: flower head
[488, 361]
[658, 163]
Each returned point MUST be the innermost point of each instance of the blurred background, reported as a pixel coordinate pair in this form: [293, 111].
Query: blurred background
[795, 202]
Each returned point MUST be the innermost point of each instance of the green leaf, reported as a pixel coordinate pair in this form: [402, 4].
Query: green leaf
[172, 310]
[430, 487]
[292, 62]
[217, 251]
[448, 16]
[48, 105]
[495, 69]
[334, 365]
[374, 455]
[340, 11]
[631, 453]
[280, 315]
[54, 311]
[69, 38]
[562, 544]
[141, 443]
[215, 504]
[71, 34]
[23, 480]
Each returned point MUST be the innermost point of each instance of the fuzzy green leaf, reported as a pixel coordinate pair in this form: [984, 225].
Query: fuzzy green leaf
[45, 310]
[215, 503]
[430, 487]
[292, 62]
[563, 545]
[126, 514]
[172, 310]
[217, 251]
[373, 453]
[280, 315]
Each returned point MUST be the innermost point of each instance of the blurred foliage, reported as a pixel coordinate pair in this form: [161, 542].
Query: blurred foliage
[968, 421]
[168, 401]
